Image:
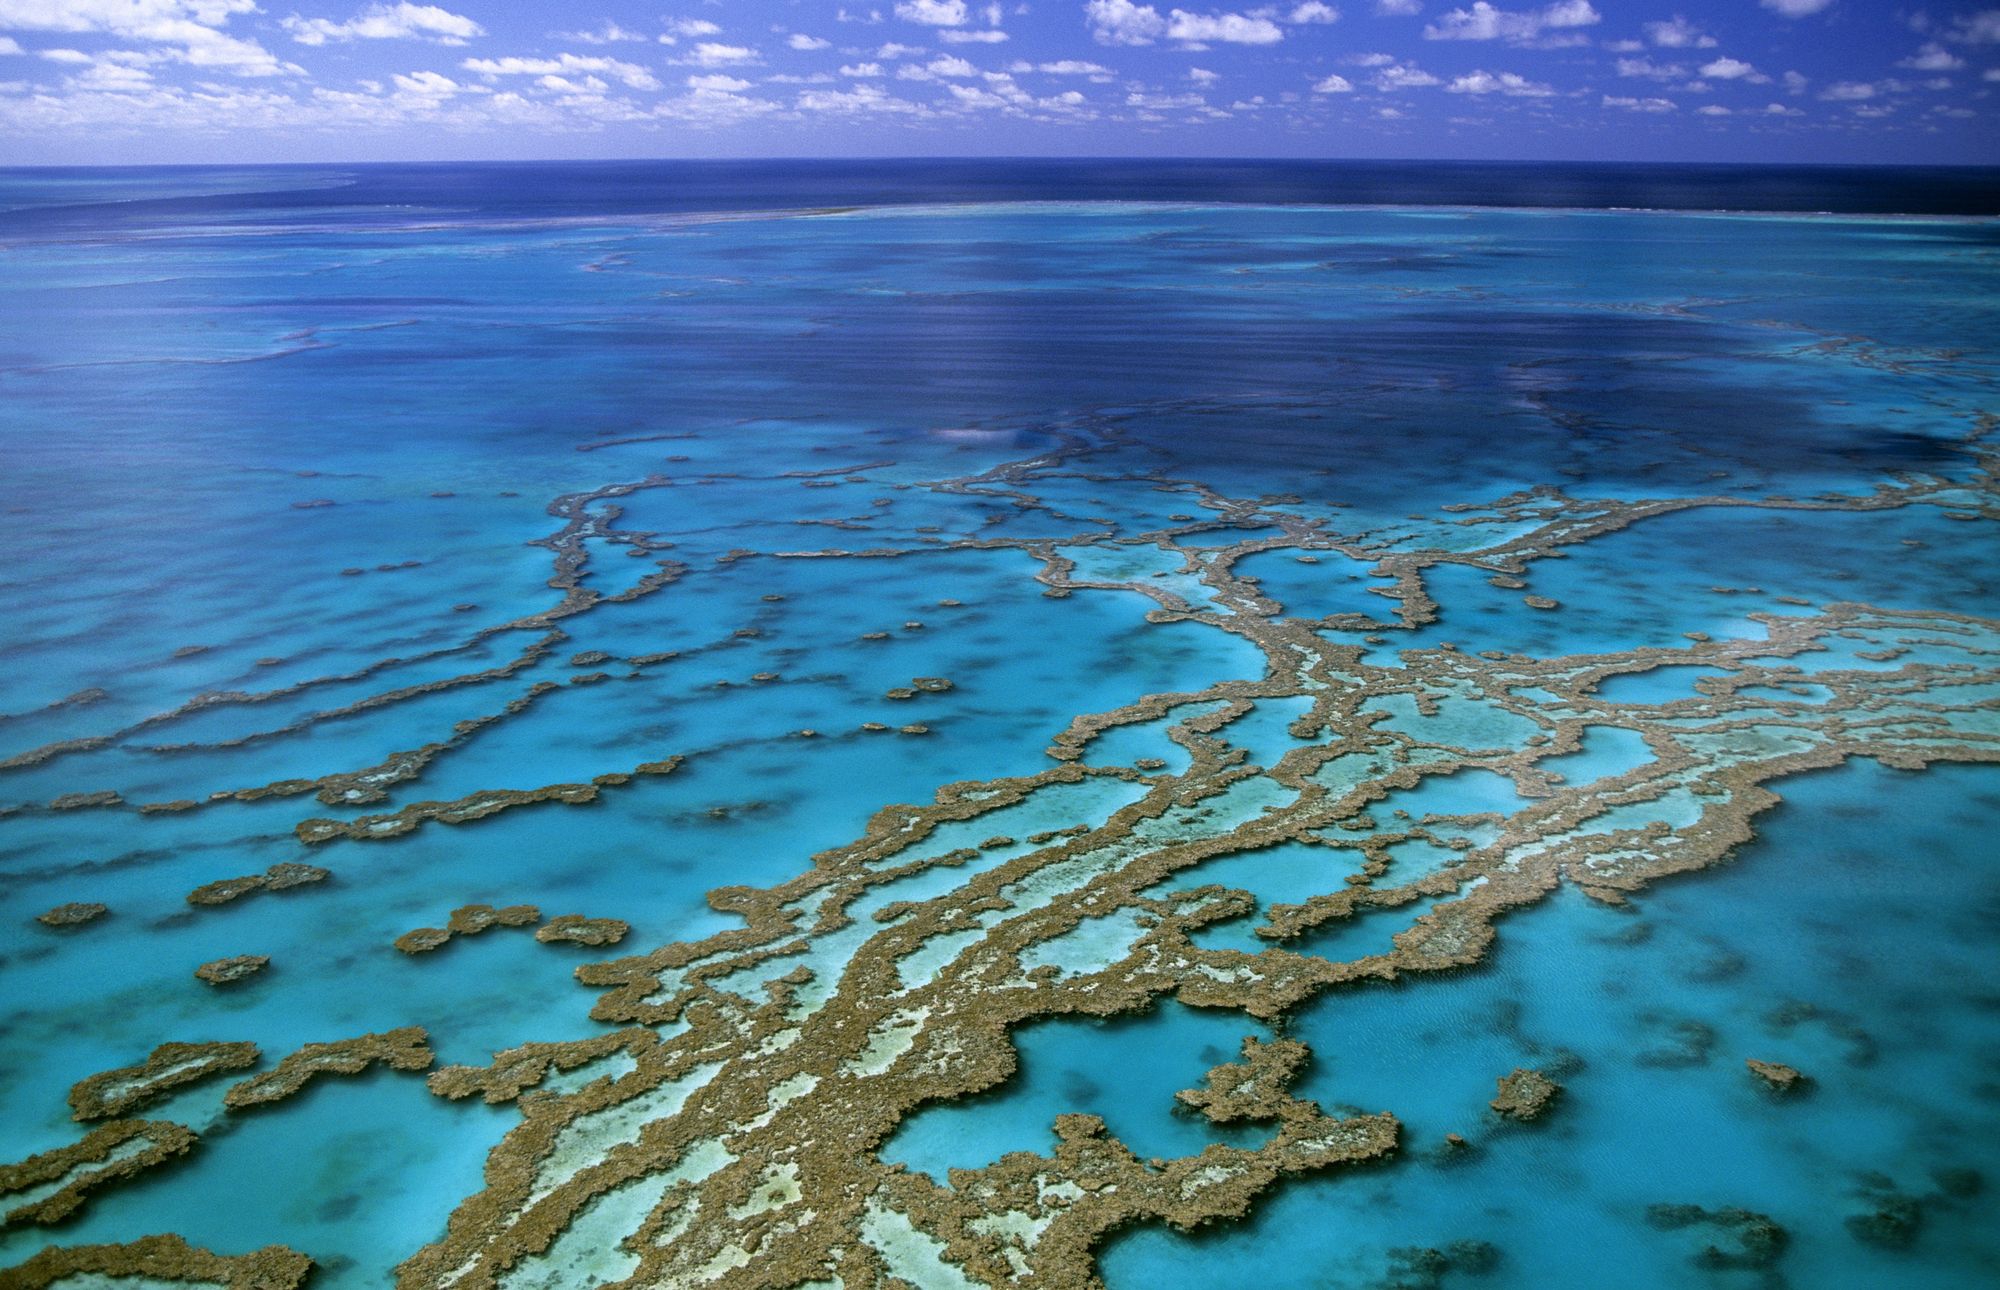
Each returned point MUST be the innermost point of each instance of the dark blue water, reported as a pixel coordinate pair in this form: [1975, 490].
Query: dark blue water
[44, 201]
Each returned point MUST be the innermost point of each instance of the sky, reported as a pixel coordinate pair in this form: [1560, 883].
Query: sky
[136, 81]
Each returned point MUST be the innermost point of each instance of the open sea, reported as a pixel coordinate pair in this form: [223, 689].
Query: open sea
[1156, 724]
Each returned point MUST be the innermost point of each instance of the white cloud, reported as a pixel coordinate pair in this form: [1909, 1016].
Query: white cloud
[1848, 92]
[1163, 102]
[861, 71]
[1991, 75]
[8, 45]
[1120, 22]
[1334, 85]
[1508, 83]
[1230, 28]
[932, 13]
[1313, 11]
[1795, 83]
[1639, 105]
[860, 99]
[607, 33]
[1732, 69]
[1484, 21]
[1678, 33]
[631, 75]
[894, 50]
[1398, 8]
[1067, 67]
[190, 28]
[1651, 70]
[403, 21]
[1404, 76]
[799, 40]
[679, 27]
[990, 36]
[944, 67]
[1202, 76]
[1795, 8]
[1712, 109]
[1981, 28]
[428, 85]
[709, 53]
[1933, 57]
[718, 82]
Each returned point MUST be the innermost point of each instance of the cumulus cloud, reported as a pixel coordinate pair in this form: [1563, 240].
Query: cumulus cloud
[1733, 69]
[190, 30]
[1510, 84]
[1398, 8]
[1796, 8]
[1484, 21]
[709, 53]
[1121, 22]
[799, 40]
[860, 99]
[1848, 92]
[1651, 70]
[988, 36]
[933, 13]
[1933, 57]
[1312, 11]
[1639, 105]
[1981, 28]
[9, 45]
[1678, 33]
[1403, 76]
[403, 21]
[1334, 85]
[606, 33]
[861, 71]
[690, 27]
[944, 67]
[629, 74]
[1230, 28]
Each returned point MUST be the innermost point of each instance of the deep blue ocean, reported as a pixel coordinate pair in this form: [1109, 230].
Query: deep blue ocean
[981, 641]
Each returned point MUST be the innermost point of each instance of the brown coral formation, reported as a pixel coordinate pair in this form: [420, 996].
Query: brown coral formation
[231, 970]
[168, 1067]
[160, 1258]
[1525, 1093]
[279, 877]
[579, 930]
[49, 1187]
[74, 914]
[467, 920]
[1777, 1076]
[406, 1048]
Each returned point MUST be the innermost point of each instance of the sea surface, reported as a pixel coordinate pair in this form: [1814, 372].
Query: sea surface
[975, 643]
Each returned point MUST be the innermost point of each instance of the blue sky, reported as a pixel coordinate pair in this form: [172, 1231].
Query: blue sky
[91, 81]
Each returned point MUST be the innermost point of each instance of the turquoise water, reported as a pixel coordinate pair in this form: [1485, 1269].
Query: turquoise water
[290, 489]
